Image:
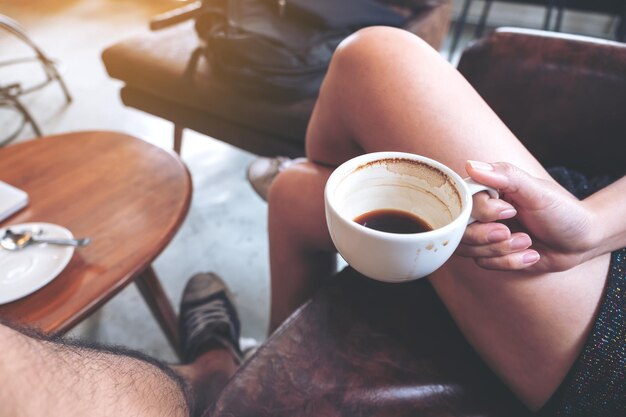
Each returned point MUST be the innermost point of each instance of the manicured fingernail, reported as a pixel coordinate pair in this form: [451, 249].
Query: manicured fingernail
[520, 242]
[497, 235]
[507, 213]
[481, 166]
[530, 257]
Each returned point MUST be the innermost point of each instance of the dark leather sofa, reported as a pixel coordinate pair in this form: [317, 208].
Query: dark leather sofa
[165, 74]
[365, 348]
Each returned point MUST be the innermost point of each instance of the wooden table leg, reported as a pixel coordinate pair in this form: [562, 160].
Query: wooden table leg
[178, 138]
[152, 292]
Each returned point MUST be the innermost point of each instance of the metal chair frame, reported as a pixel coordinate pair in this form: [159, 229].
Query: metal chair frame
[10, 94]
[559, 5]
[9, 97]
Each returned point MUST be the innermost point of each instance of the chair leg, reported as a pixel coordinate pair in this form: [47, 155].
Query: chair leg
[458, 28]
[178, 138]
[154, 295]
[18, 105]
[559, 15]
[620, 33]
[54, 75]
[548, 18]
[480, 29]
[6, 138]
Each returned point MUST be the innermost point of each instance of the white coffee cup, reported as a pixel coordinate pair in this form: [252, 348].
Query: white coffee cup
[406, 182]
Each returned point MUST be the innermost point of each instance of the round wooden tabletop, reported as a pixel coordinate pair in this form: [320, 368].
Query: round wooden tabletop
[129, 196]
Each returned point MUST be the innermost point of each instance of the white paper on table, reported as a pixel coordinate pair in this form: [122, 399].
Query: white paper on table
[11, 200]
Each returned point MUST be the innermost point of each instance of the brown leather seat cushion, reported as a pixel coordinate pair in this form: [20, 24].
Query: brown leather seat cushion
[366, 348]
[168, 64]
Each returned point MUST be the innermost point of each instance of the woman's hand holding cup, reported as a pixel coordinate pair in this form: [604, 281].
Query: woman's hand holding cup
[557, 228]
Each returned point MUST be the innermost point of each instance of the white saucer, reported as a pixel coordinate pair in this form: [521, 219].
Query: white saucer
[24, 272]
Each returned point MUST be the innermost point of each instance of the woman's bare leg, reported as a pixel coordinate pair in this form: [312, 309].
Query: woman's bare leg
[387, 90]
[301, 252]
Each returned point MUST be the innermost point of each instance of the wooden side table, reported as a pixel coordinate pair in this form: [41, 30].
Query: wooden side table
[129, 196]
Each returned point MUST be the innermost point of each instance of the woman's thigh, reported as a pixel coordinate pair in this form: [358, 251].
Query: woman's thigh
[387, 90]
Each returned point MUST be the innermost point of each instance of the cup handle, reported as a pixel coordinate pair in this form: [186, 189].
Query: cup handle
[475, 187]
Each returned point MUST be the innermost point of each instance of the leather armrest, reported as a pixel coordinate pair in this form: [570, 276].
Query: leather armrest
[365, 348]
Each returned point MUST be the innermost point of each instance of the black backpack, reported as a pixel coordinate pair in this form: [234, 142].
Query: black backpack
[281, 48]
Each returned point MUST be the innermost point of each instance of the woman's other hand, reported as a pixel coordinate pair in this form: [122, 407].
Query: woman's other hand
[555, 229]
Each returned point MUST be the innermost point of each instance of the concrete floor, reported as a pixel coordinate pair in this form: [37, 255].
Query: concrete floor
[226, 227]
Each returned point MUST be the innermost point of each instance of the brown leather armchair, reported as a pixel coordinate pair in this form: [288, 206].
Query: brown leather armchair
[165, 74]
[365, 348]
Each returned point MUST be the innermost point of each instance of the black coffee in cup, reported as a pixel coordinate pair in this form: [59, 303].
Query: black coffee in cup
[393, 221]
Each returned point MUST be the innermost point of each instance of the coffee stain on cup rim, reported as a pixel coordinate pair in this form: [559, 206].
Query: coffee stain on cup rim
[404, 166]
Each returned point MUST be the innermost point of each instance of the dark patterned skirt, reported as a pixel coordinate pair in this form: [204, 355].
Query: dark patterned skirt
[596, 384]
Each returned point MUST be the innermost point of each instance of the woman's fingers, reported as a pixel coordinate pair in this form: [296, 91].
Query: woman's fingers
[491, 244]
[485, 233]
[510, 180]
[516, 243]
[494, 247]
[488, 244]
[486, 209]
[513, 261]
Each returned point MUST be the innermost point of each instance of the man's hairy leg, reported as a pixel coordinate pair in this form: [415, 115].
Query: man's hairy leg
[41, 376]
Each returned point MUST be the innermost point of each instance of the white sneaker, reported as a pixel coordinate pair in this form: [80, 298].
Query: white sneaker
[262, 172]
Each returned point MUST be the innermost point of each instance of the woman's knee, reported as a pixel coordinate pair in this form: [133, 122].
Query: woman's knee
[294, 187]
[364, 68]
[285, 195]
[283, 189]
[296, 201]
[376, 47]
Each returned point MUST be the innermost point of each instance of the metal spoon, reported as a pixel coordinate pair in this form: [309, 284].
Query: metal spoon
[16, 241]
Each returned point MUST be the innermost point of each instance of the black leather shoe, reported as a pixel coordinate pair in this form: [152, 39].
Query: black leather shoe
[208, 317]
